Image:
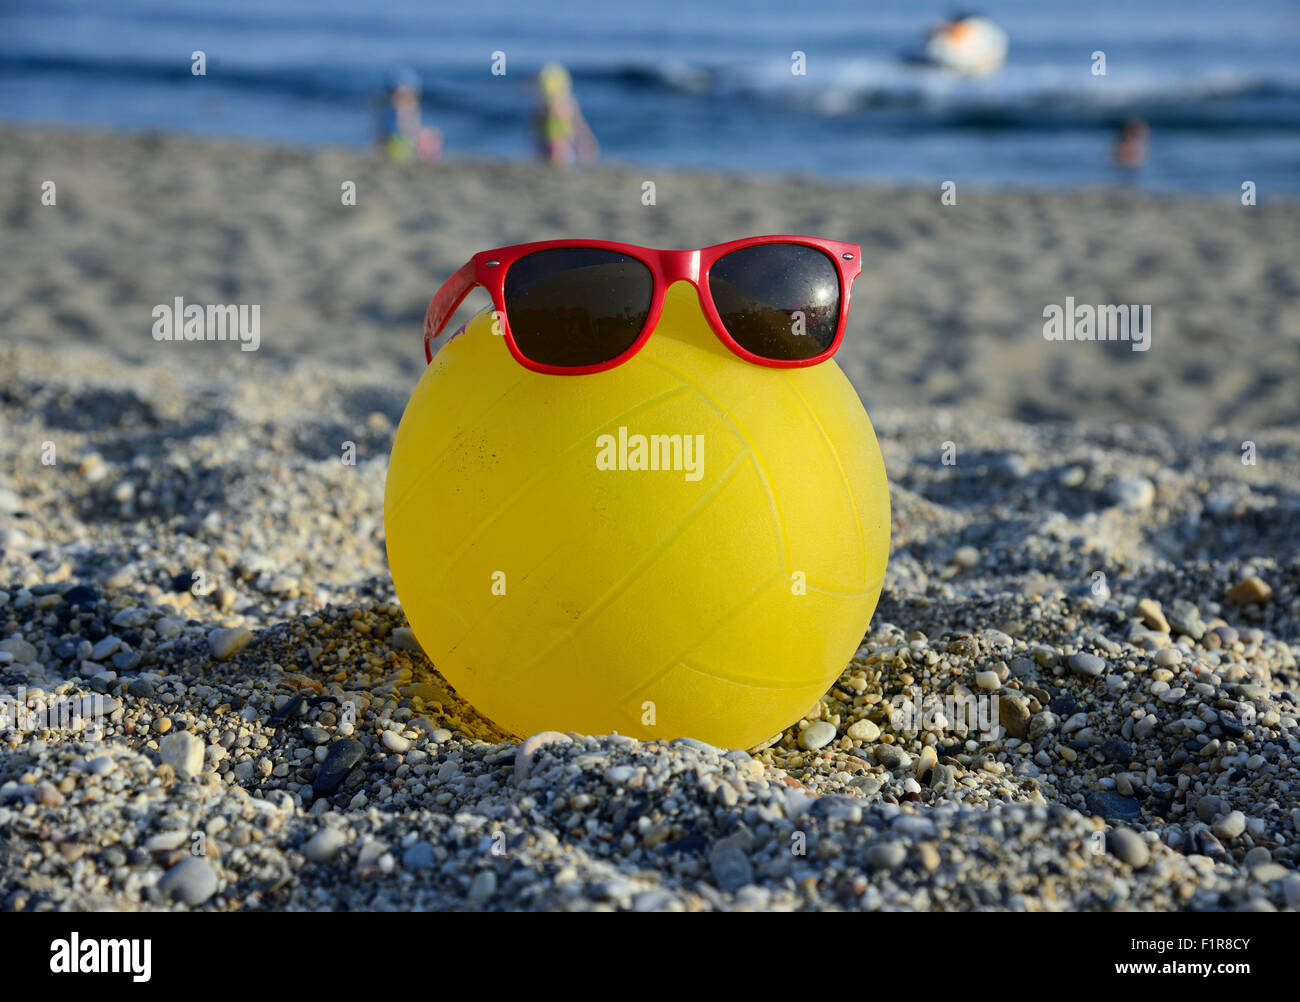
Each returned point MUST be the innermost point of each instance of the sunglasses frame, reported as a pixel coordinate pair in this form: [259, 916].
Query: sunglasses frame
[488, 270]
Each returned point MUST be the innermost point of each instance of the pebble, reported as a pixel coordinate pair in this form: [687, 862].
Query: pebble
[1113, 806]
[816, 735]
[529, 747]
[966, 556]
[394, 742]
[1291, 890]
[1086, 665]
[1128, 845]
[1230, 825]
[1133, 493]
[403, 639]
[81, 596]
[1116, 751]
[1014, 715]
[887, 855]
[481, 888]
[1250, 590]
[987, 681]
[420, 856]
[652, 901]
[729, 862]
[192, 881]
[342, 756]
[183, 752]
[863, 730]
[225, 643]
[166, 628]
[1149, 611]
[105, 648]
[1186, 619]
[324, 845]
[23, 652]
[892, 758]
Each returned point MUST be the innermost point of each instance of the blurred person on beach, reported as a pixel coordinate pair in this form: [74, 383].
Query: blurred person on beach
[398, 131]
[563, 135]
[1130, 150]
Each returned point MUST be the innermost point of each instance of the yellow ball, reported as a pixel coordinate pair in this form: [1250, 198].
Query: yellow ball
[558, 586]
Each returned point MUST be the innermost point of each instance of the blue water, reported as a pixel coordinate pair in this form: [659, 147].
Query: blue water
[685, 82]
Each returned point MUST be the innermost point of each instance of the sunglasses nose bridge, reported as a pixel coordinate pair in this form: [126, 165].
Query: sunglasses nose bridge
[680, 266]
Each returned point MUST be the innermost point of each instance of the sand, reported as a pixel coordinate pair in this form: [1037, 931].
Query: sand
[1161, 779]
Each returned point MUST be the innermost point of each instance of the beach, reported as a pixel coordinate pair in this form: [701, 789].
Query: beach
[1110, 551]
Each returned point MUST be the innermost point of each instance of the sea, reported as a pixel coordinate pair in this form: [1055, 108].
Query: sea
[699, 83]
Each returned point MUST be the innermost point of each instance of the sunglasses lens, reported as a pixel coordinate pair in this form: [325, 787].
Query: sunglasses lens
[576, 306]
[779, 301]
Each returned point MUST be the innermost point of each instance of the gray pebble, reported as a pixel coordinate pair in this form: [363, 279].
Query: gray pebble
[1132, 493]
[192, 881]
[482, 887]
[887, 855]
[419, 857]
[1113, 806]
[1128, 845]
[324, 845]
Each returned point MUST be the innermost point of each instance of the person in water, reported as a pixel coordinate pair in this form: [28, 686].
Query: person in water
[1131, 146]
[563, 135]
[398, 131]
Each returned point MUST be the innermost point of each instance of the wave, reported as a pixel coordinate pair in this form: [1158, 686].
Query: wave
[1021, 97]
[861, 84]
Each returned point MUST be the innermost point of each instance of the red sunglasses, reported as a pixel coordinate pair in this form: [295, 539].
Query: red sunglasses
[569, 307]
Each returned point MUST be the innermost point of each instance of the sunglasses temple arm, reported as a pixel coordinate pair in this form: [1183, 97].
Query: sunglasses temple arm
[444, 303]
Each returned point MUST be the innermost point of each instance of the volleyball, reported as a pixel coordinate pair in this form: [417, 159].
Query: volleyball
[686, 545]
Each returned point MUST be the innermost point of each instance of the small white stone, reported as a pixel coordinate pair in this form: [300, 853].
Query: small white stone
[816, 735]
[166, 628]
[183, 752]
[1133, 493]
[394, 742]
[1230, 825]
[529, 748]
[987, 681]
[324, 845]
[225, 642]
